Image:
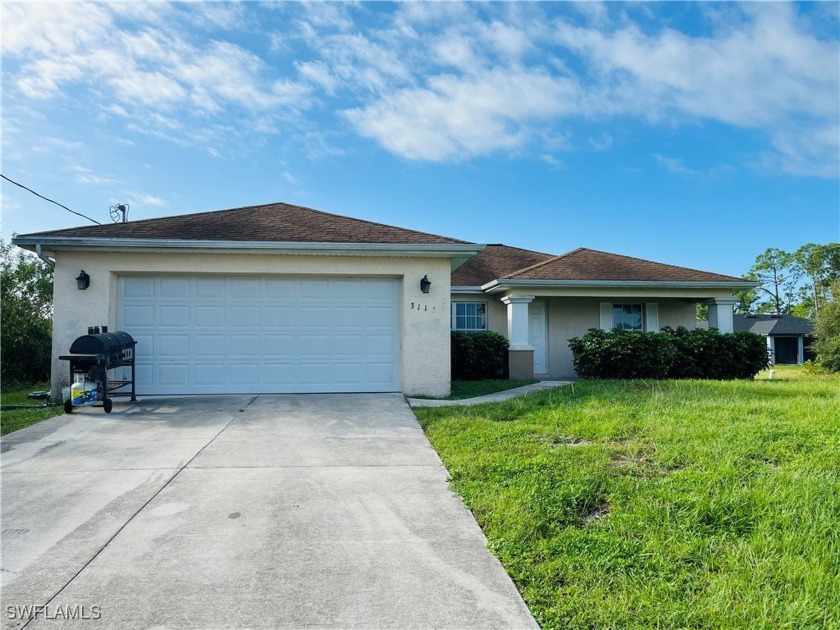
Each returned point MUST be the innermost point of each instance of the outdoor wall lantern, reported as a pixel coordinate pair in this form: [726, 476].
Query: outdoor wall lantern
[425, 284]
[83, 280]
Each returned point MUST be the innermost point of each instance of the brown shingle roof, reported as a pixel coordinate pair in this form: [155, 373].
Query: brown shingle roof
[495, 261]
[589, 264]
[275, 222]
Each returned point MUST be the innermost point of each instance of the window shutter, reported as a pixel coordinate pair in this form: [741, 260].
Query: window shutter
[606, 316]
[652, 317]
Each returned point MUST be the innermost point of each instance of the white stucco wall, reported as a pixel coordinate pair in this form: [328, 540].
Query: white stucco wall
[424, 334]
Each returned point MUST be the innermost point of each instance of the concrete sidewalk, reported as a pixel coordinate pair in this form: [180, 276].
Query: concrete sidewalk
[496, 397]
[308, 511]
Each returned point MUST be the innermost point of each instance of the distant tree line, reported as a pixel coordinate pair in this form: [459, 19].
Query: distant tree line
[792, 283]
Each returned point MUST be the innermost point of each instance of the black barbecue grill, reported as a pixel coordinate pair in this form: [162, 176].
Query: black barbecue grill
[91, 356]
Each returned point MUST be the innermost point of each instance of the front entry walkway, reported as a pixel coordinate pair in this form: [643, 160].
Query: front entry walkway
[488, 398]
[296, 511]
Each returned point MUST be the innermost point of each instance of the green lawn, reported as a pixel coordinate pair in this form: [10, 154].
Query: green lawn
[694, 504]
[15, 419]
[471, 389]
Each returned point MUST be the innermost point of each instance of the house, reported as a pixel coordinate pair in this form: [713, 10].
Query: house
[279, 298]
[788, 337]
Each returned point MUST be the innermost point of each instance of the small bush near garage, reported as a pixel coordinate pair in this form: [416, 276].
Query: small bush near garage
[478, 355]
[680, 353]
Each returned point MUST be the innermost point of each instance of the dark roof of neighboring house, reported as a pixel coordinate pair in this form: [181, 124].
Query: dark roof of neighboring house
[495, 261]
[773, 325]
[274, 222]
[589, 264]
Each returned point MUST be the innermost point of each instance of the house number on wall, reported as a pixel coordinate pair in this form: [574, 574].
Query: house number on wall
[421, 307]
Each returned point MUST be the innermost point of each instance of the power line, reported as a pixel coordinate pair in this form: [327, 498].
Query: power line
[60, 205]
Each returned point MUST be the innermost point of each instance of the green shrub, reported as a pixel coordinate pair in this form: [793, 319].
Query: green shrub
[679, 353]
[827, 333]
[26, 286]
[478, 355]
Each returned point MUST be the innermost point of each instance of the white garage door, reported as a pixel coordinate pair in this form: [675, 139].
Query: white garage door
[214, 335]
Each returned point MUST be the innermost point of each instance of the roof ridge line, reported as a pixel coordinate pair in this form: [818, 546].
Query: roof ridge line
[540, 264]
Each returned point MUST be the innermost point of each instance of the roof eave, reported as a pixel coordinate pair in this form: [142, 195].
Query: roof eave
[494, 286]
[458, 252]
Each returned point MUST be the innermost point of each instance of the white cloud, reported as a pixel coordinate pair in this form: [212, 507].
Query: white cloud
[437, 81]
[456, 117]
[143, 68]
[601, 142]
[140, 199]
[675, 165]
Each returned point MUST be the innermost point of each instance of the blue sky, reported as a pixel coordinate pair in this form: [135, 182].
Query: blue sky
[695, 134]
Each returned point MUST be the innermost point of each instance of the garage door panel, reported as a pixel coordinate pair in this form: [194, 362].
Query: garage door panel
[174, 316]
[241, 288]
[209, 316]
[209, 374]
[312, 316]
[312, 346]
[244, 373]
[347, 317]
[173, 374]
[244, 346]
[279, 288]
[211, 334]
[210, 288]
[279, 373]
[278, 346]
[348, 345]
[244, 317]
[175, 288]
[382, 317]
[278, 316]
[208, 346]
[345, 289]
[173, 346]
[312, 373]
[138, 316]
[138, 287]
[347, 373]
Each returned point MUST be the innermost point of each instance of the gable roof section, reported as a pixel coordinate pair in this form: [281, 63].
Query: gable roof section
[495, 261]
[773, 325]
[275, 222]
[591, 265]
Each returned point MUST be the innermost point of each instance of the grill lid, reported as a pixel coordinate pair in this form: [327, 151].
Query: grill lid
[102, 343]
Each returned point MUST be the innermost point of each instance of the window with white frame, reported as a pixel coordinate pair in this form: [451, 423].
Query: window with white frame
[628, 317]
[469, 316]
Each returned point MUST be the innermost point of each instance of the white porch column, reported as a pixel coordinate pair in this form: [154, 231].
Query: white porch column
[520, 352]
[800, 355]
[721, 314]
[771, 349]
[517, 320]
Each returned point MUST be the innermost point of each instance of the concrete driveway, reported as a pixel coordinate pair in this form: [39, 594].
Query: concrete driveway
[327, 511]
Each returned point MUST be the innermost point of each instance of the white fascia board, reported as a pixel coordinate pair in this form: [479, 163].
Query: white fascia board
[455, 251]
[496, 286]
[475, 289]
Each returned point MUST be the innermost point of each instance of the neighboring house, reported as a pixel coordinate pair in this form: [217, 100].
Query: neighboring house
[788, 337]
[279, 298]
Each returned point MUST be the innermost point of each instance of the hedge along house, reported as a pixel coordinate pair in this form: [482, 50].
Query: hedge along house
[540, 301]
[281, 299]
